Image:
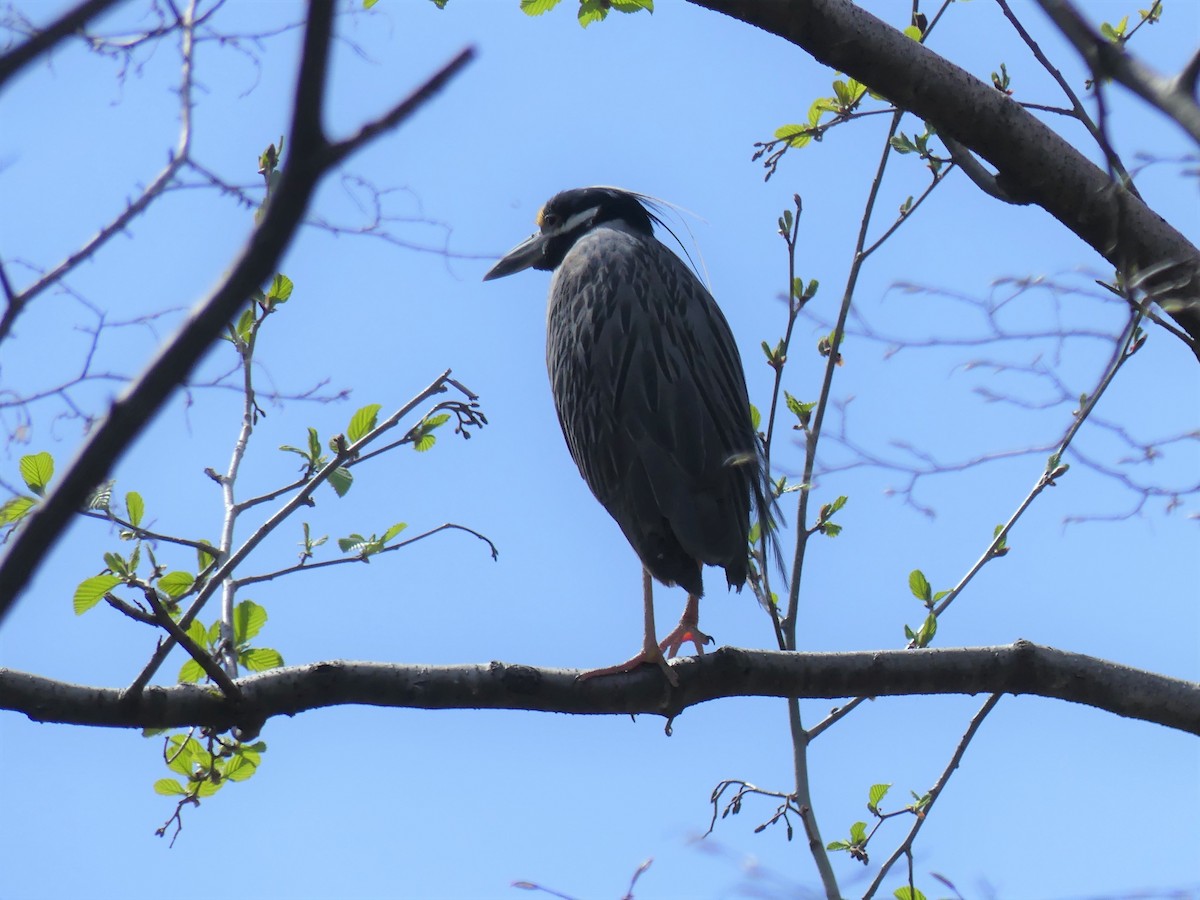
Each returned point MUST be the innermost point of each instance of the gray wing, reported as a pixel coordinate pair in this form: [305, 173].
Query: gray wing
[653, 404]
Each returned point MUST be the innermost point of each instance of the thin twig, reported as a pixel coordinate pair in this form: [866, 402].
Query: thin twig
[934, 792]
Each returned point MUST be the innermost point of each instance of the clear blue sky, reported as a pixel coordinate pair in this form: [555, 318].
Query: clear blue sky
[1053, 800]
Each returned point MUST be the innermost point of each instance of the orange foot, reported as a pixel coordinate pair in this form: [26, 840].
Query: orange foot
[652, 655]
[685, 631]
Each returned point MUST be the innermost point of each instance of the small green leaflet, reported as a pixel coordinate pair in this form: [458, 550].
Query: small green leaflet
[37, 469]
[280, 290]
[919, 585]
[877, 793]
[91, 590]
[260, 659]
[362, 422]
[169, 787]
[176, 584]
[248, 620]
[136, 508]
[340, 480]
[16, 509]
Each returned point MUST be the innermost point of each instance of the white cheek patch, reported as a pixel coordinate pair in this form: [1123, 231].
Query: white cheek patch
[575, 221]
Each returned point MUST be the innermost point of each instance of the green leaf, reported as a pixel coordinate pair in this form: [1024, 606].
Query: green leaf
[877, 793]
[392, 532]
[591, 11]
[537, 7]
[240, 768]
[424, 443]
[169, 787]
[314, 444]
[280, 290]
[198, 633]
[837, 845]
[928, 630]
[136, 508]
[207, 787]
[340, 479]
[362, 422]
[829, 529]
[755, 417]
[913, 32]
[91, 590]
[919, 585]
[181, 754]
[245, 323]
[176, 584]
[204, 558]
[37, 469]
[858, 831]
[190, 672]
[836, 505]
[248, 620]
[795, 135]
[907, 893]
[15, 509]
[260, 659]
[352, 543]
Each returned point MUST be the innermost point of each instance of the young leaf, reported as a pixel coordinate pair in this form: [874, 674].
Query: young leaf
[877, 793]
[248, 620]
[280, 290]
[169, 787]
[176, 584]
[362, 422]
[91, 590]
[340, 479]
[190, 672]
[260, 659]
[136, 508]
[919, 585]
[37, 469]
[755, 417]
[15, 509]
[392, 532]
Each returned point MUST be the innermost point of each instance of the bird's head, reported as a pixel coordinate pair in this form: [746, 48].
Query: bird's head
[566, 218]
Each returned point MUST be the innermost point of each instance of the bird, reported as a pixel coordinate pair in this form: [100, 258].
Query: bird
[651, 396]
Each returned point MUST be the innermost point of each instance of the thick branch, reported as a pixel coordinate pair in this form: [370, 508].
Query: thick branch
[1022, 668]
[1034, 163]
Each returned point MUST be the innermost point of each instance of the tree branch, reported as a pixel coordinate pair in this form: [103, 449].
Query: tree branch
[1033, 162]
[1021, 668]
[309, 159]
[46, 39]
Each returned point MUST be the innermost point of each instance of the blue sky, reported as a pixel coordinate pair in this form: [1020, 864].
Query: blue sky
[1053, 800]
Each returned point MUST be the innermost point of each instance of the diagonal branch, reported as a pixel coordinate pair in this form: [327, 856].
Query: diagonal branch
[1033, 162]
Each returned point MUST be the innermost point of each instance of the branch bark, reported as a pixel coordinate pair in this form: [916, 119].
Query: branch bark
[1033, 162]
[1022, 668]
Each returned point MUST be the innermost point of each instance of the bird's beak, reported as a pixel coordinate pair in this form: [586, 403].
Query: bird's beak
[522, 256]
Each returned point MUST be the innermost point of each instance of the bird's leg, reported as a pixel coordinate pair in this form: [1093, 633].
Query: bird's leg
[686, 630]
[651, 652]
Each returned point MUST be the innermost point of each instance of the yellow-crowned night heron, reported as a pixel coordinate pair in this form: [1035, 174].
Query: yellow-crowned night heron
[650, 394]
